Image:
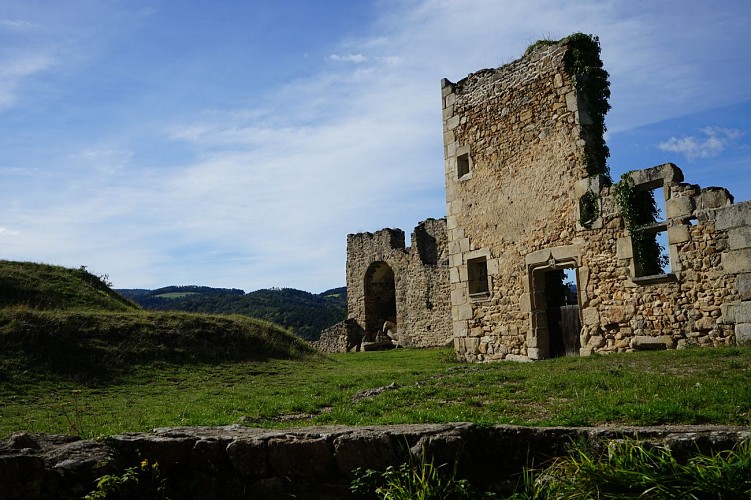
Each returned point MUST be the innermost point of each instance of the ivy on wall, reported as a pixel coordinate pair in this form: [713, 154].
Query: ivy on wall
[591, 80]
[639, 210]
[589, 208]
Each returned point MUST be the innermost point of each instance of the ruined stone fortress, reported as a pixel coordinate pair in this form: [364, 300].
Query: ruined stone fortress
[528, 195]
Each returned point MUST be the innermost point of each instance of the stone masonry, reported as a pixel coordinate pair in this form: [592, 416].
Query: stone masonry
[517, 145]
[406, 286]
[315, 462]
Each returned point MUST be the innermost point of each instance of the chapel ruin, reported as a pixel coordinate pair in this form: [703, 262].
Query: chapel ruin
[653, 262]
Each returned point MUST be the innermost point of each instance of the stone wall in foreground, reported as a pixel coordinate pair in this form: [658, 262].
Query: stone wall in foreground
[316, 462]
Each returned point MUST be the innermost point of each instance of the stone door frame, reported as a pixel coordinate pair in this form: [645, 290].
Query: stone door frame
[533, 302]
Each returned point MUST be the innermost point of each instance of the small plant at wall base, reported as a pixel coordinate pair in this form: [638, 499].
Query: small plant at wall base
[591, 80]
[420, 479]
[144, 481]
[638, 209]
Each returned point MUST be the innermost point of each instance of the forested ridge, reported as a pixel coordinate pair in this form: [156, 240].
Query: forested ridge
[305, 313]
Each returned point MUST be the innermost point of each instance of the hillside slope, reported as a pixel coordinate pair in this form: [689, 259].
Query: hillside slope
[67, 322]
[306, 314]
[44, 286]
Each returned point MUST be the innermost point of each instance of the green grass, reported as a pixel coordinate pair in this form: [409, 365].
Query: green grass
[77, 358]
[702, 386]
[43, 286]
[631, 469]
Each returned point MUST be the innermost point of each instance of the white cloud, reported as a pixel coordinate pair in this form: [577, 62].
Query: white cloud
[350, 58]
[712, 144]
[4, 231]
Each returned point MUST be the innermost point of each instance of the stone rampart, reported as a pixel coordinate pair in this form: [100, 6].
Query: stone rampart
[318, 462]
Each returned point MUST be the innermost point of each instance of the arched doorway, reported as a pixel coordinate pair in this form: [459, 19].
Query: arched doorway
[380, 298]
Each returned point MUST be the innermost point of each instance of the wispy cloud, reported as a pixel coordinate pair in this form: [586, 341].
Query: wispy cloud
[170, 175]
[14, 69]
[348, 58]
[16, 24]
[105, 159]
[713, 142]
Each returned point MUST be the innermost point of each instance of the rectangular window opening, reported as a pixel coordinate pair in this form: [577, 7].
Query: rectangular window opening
[652, 251]
[477, 277]
[462, 165]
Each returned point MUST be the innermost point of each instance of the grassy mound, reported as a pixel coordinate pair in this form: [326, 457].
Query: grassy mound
[43, 286]
[69, 323]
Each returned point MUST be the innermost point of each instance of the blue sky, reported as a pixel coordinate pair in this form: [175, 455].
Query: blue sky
[237, 143]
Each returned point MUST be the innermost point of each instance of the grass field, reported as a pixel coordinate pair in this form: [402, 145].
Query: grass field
[699, 386]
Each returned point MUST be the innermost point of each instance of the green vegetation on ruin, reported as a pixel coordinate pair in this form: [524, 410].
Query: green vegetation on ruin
[638, 209]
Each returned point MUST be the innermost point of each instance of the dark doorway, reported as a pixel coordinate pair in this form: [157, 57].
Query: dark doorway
[380, 298]
[562, 312]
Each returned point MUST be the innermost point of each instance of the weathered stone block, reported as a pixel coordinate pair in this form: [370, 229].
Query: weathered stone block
[524, 303]
[623, 248]
[739, 238]
[743, 334]
[619, 314]
[590, 316]
[454, 275]
[679, 207]
[678, 234]
[464, 312]
[492, 266]
[705, 323]
[457, 296]
[733, 216]
[645, 342]
[597, 341]
[248, 457]
[572, 103]
[713, 197]
[365, 449]
[453, 122]
[304, 458]
[743, 286]
[737, 261]
[661, 175]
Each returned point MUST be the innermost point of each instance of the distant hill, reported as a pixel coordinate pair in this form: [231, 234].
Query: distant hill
[68, 322]
[306, 314]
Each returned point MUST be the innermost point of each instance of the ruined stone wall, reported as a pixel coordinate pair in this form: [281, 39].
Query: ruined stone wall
[364, 250]
[701, 300]
[516, 142]
[514, 149]
[316, 462]
[420, 282]
[427, 295]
